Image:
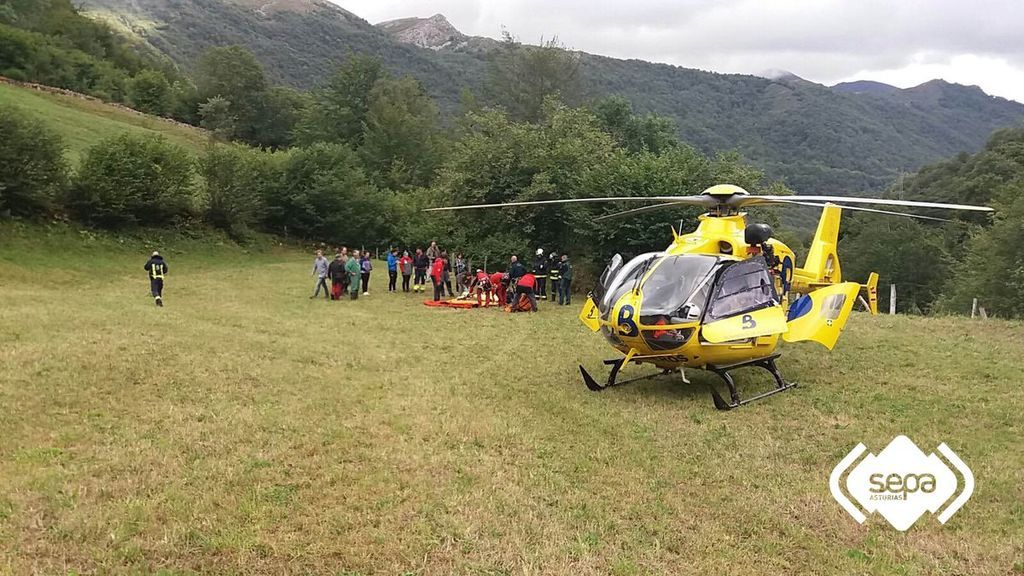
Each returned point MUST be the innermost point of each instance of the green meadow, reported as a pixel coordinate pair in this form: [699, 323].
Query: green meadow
[246, 429]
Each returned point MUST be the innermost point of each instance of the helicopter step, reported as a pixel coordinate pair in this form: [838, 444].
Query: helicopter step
[616, 365]
[768, 363]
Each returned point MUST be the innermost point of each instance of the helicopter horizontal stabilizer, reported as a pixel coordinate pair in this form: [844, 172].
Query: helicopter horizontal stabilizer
[589, 315]
[821, 315]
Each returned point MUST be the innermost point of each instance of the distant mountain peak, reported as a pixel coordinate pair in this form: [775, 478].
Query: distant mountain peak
[865, 87]
[778, 74]
[268, 7]
[435, 32]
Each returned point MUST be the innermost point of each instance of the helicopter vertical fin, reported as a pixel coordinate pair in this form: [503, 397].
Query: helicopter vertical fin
[821, 314]
[872, 288]
[822, 263]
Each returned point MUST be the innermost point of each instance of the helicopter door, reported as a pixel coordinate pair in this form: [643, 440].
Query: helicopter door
[743, 304]
[821, 314]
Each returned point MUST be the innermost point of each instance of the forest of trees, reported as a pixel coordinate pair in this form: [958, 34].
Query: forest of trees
[355, 160]
[941, 267]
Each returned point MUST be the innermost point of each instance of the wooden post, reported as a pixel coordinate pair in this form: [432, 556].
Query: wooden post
[974, 308]
[981, 310]
[892, 298]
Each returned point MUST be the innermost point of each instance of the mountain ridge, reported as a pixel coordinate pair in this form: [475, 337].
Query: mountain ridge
[814, 137]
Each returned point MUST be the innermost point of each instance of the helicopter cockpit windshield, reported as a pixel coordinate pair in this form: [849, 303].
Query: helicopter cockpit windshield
[678, 288]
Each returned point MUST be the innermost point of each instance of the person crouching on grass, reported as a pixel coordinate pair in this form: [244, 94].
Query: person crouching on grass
[156, 268]
[354, 271]
[499, 281]
[526, 286]
[481, 284]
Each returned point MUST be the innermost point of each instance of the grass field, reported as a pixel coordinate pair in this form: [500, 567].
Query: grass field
[246, 429]
[83, 123]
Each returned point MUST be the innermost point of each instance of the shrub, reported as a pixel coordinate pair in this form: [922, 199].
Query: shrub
[33, 171]
[237, 180]
[325, 194]
[133, 180]
[150, 92]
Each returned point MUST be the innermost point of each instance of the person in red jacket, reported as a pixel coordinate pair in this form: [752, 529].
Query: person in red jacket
[481, 284]
[437, 275]
[499, 282]
[526, 286]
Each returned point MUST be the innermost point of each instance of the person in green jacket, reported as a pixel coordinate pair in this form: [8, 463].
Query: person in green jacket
[353, 269]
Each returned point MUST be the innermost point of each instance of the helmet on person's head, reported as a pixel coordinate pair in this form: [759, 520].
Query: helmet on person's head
[155, 253]
[540, 251]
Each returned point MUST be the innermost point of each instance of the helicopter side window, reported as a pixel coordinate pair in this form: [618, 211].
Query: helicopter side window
[606, 276]
[742, 287]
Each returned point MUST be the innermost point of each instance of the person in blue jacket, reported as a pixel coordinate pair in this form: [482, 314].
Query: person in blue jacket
[393, 270]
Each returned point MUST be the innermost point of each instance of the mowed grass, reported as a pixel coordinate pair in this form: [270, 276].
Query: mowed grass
[246, 429]
[82, 123]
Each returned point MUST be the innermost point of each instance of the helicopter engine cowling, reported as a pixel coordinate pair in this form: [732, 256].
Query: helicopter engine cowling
[757, 234]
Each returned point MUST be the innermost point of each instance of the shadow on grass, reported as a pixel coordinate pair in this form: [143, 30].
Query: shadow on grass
[670, 387]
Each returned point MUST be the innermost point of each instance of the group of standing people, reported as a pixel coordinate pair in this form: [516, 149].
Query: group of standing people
[347, 272]
[415, 268]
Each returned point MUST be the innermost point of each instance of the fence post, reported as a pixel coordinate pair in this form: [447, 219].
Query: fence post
[892, 298]
[974, 307]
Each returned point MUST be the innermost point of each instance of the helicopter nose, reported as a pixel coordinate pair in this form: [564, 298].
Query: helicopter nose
[624, 322]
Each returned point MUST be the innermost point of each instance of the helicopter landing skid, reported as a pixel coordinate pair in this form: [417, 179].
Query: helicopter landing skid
[768, 363]
[616, 365]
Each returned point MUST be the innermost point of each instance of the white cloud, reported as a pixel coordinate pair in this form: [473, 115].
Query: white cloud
[902, 43]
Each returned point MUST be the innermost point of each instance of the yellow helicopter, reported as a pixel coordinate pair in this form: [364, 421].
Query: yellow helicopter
[720, 297]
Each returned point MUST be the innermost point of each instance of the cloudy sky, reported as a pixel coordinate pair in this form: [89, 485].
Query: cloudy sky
[900, 42]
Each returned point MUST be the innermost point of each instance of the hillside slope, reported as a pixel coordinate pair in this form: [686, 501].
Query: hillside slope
[818, 139]
[82, 121]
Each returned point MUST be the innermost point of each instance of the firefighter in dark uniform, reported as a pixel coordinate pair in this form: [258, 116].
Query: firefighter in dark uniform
[157, 268]
[554, 275]
[540, 272]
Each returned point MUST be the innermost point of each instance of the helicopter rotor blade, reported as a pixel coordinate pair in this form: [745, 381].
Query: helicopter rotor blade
[872, 210]
[668, 205]
[643, 209]
[741, 201]
[686, 200]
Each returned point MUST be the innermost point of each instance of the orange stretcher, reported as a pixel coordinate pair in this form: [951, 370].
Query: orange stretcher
[451, 303]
